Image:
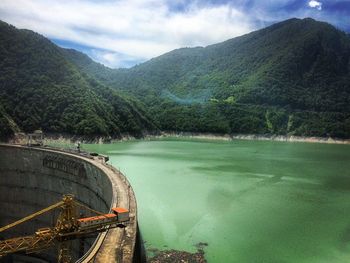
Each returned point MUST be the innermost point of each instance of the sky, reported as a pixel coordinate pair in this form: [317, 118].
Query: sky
[123, 33]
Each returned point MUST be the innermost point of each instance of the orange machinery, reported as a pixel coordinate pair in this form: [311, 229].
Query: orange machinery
[67, 227]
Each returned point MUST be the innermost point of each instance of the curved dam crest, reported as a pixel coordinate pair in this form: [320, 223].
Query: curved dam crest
[34, 178]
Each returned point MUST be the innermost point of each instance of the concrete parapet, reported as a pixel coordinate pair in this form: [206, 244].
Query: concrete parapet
[34, 178]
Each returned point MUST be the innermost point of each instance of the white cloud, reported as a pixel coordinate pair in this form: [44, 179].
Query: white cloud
[132, 31]
[113, 59]
[136, 28]
[315, 4]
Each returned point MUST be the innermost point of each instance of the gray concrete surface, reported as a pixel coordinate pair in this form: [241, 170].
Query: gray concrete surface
[34, 178]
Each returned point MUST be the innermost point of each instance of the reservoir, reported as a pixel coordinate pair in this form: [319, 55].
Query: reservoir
[249, 201]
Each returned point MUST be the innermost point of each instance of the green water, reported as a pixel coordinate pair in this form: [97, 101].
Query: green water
[251, 201]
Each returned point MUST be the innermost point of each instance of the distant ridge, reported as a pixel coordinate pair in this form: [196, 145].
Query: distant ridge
[292, 78]
[41, 89]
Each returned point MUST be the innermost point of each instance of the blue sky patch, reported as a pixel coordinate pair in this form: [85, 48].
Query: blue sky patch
[123, 33]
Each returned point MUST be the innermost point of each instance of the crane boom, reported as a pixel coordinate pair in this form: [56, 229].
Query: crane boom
[27, 218]
[42, 239]
[67, 227]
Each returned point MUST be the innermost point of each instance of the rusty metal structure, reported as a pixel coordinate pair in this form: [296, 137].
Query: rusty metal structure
[68, 226]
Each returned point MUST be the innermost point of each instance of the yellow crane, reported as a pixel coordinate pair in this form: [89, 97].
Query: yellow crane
[68, 226]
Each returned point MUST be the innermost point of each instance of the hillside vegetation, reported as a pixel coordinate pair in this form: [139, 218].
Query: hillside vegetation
[290, 78]
[41, 89]
[7, 126]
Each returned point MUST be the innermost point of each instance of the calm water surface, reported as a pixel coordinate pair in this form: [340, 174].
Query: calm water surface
[251, 201]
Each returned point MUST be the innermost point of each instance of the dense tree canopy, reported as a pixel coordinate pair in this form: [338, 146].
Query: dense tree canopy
[290, 78]
[41, 89]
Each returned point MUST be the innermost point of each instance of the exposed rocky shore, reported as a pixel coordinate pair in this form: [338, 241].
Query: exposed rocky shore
[69, 139]
[177, 256]
[227, 137]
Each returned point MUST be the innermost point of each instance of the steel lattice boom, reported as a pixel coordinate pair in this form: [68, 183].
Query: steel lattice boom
[67, 227]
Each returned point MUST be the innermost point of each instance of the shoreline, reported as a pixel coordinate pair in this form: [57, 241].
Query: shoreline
[71, 139]
[292, 138]
[253, 137]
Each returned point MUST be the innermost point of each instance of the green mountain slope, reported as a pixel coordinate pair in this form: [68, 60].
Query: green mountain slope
[40, 88]
[7, 126]
[290, 78]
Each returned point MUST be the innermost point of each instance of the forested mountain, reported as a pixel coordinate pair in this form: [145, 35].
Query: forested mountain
[290, 78]
[7, 126]
[41, 89]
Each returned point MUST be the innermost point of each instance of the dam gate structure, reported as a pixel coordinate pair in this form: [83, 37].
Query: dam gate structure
[32, 178]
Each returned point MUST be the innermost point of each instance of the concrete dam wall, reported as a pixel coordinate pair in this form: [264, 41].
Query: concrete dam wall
[34, 178]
